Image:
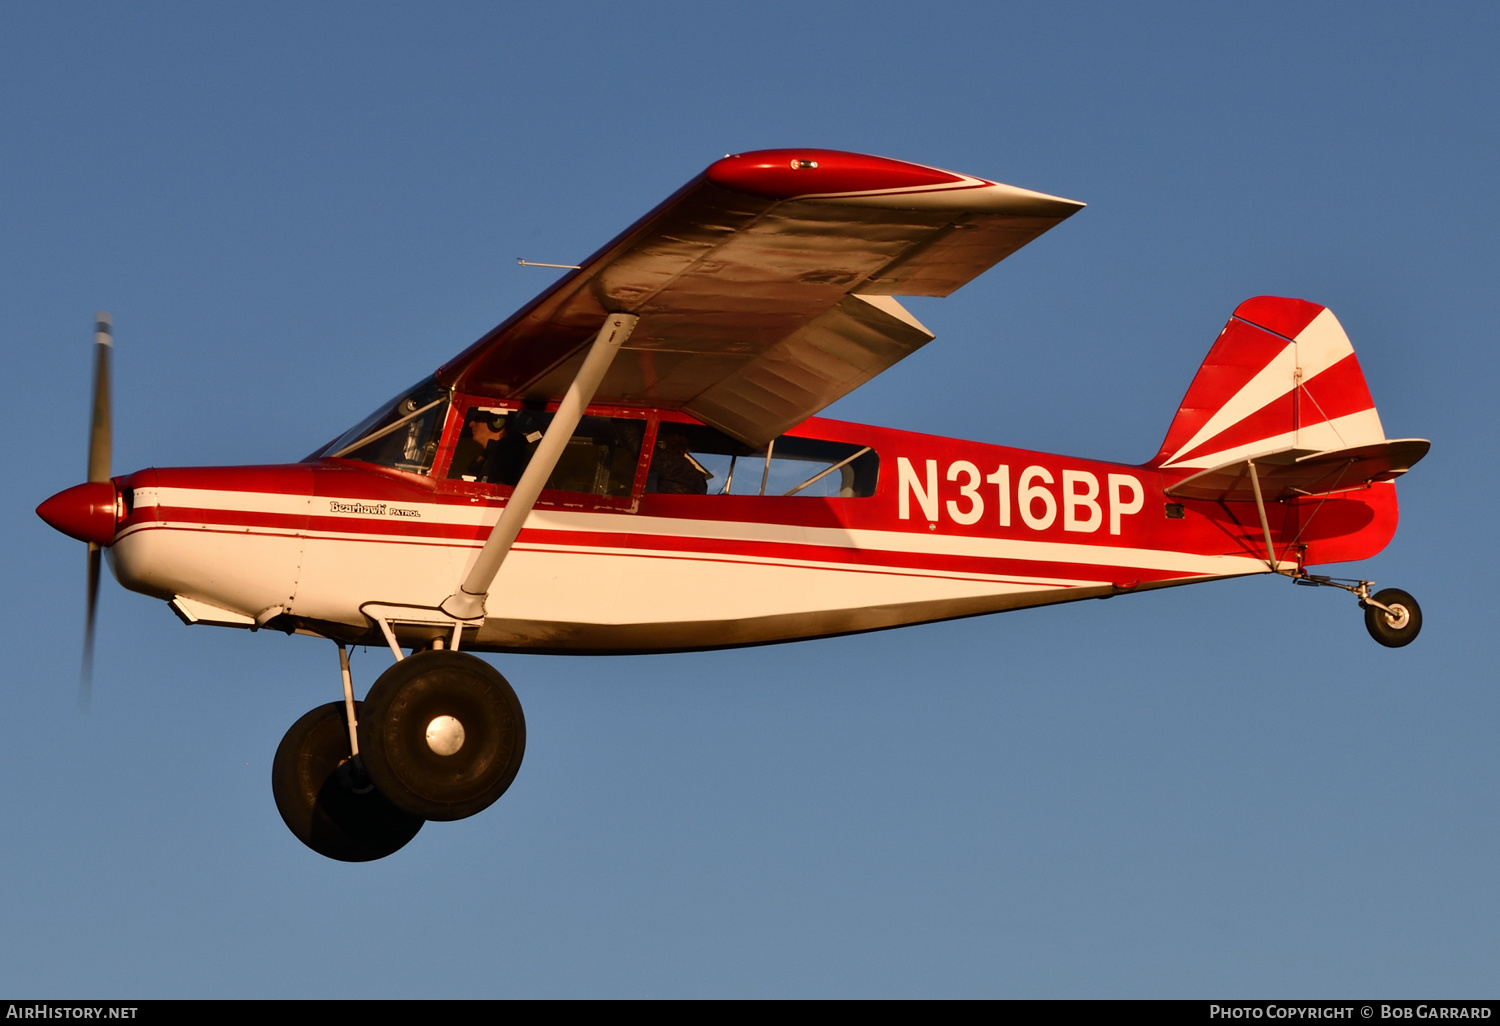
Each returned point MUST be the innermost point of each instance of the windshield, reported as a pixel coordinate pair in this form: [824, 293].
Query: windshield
[402, 434]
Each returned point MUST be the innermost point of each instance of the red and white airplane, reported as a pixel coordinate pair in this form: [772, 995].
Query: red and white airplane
[631, 463]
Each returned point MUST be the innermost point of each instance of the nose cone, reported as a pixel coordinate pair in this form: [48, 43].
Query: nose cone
[85, 512]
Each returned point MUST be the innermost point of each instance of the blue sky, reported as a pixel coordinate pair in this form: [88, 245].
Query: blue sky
[294, 210]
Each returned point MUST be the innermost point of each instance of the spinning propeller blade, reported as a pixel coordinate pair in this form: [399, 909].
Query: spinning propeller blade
[99, 458]
[86, 674]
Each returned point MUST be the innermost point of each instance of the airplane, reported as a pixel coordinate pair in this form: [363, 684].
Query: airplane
[633, 462]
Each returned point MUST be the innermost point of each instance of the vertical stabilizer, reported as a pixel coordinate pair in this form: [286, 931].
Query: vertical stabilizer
[1281, 375]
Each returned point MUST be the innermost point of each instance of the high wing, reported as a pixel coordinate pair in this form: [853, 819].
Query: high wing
[763, 287]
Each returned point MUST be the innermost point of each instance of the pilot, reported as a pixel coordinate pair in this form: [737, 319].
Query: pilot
[481, 451]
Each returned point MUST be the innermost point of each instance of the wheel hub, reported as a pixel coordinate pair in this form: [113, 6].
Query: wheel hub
[445, 735]
[1397, 616]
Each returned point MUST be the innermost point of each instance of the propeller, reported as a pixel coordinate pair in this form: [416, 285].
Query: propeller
[100, 437]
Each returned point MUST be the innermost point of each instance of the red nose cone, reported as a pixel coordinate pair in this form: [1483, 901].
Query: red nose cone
[85, 512]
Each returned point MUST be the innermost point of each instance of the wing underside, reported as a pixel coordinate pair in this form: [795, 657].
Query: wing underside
[763, 288]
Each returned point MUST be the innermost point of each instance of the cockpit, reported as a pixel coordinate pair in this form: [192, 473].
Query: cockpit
[493, 444]
[496, 444]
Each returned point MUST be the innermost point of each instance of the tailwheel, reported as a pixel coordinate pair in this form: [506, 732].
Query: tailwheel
[1392, 617]
[442, 734]
[325, 798]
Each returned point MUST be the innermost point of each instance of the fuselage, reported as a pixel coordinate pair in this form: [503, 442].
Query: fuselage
[939, 528]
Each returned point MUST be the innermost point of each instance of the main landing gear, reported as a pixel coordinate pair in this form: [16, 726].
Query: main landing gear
[327, 799]
[443, 735]
[1392, 617]
[440, 736]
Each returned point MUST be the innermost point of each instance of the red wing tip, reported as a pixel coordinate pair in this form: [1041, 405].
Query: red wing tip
[863, 180]
[783, 174]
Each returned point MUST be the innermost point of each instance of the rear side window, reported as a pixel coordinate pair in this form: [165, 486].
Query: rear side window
[692, 459]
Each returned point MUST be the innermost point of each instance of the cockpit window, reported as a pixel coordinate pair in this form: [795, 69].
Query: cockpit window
[691, 459]
[402, 434]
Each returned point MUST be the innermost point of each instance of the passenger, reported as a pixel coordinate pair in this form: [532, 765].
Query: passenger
[677, 473]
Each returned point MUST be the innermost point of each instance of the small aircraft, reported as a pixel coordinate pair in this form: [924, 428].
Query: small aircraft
[632, 463]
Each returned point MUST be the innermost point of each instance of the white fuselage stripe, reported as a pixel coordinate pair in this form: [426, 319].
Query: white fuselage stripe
[709, 530]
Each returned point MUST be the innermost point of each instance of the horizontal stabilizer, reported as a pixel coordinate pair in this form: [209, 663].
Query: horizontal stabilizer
[1287, 473]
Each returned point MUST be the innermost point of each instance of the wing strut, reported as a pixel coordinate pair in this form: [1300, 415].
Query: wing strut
[467, 603]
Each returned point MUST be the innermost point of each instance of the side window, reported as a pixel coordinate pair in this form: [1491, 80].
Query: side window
[808, 466]
[691, 459]
[600, 458]
[497, 444]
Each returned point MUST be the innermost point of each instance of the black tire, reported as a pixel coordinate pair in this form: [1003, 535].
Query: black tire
[326, 800]
[407, 701]
[1400, 629]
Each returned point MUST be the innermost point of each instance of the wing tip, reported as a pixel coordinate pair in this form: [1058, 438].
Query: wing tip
[844, 177]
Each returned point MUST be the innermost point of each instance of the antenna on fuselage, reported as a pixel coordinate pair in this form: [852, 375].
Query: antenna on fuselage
[534, 263]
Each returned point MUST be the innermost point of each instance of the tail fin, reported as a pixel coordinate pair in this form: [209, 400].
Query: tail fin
[1281, 375]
